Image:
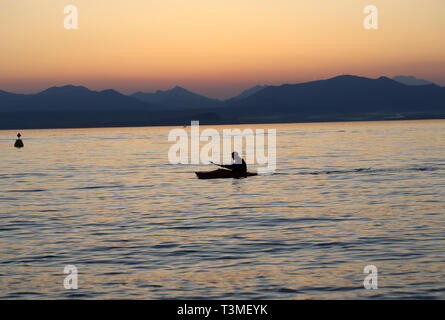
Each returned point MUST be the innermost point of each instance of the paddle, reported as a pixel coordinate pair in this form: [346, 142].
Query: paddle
[218, 165]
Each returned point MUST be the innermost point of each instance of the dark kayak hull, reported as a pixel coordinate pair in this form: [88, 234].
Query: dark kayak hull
[223, 174]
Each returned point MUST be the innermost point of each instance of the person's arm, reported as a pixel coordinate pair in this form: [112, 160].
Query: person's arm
[226, 166]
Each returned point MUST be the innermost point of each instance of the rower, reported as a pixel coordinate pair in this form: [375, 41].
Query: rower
[238, 166]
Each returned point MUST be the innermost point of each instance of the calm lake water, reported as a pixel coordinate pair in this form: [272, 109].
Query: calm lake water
[344, 195]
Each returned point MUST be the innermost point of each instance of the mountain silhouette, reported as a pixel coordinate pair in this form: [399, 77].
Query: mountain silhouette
[246, 93]
[177, 98]
[9, 99]
[411, 80]
[342, 98]
[71, 98]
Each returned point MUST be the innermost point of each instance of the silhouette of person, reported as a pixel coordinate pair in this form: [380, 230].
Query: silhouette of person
[18, 143]
[238, 166]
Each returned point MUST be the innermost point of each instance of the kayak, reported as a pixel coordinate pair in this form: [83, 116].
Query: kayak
[223, 173]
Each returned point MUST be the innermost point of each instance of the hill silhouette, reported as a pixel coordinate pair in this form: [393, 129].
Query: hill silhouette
[71, 98]
[246, 93]
[411, 81]
[177, 98]
[8, 99]
[342, 98]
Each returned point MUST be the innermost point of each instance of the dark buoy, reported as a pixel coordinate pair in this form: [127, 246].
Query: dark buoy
[19, 143]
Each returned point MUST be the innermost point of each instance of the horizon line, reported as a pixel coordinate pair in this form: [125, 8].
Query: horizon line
[206, 96]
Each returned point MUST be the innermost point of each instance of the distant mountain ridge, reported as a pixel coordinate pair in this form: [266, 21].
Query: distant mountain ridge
[177, 98]
[342, 95]
[71, 98]
[9, 99]
[248, 92]
[342, 98]
[412, 81]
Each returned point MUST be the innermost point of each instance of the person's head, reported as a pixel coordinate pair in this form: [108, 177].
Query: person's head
[236, 158]
[18, 135]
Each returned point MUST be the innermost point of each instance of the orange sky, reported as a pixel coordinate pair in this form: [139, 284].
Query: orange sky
[215, 47]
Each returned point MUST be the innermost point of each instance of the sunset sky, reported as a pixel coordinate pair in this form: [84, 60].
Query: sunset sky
[215, 47]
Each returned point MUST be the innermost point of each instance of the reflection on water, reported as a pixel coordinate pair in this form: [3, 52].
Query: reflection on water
[345, 195]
